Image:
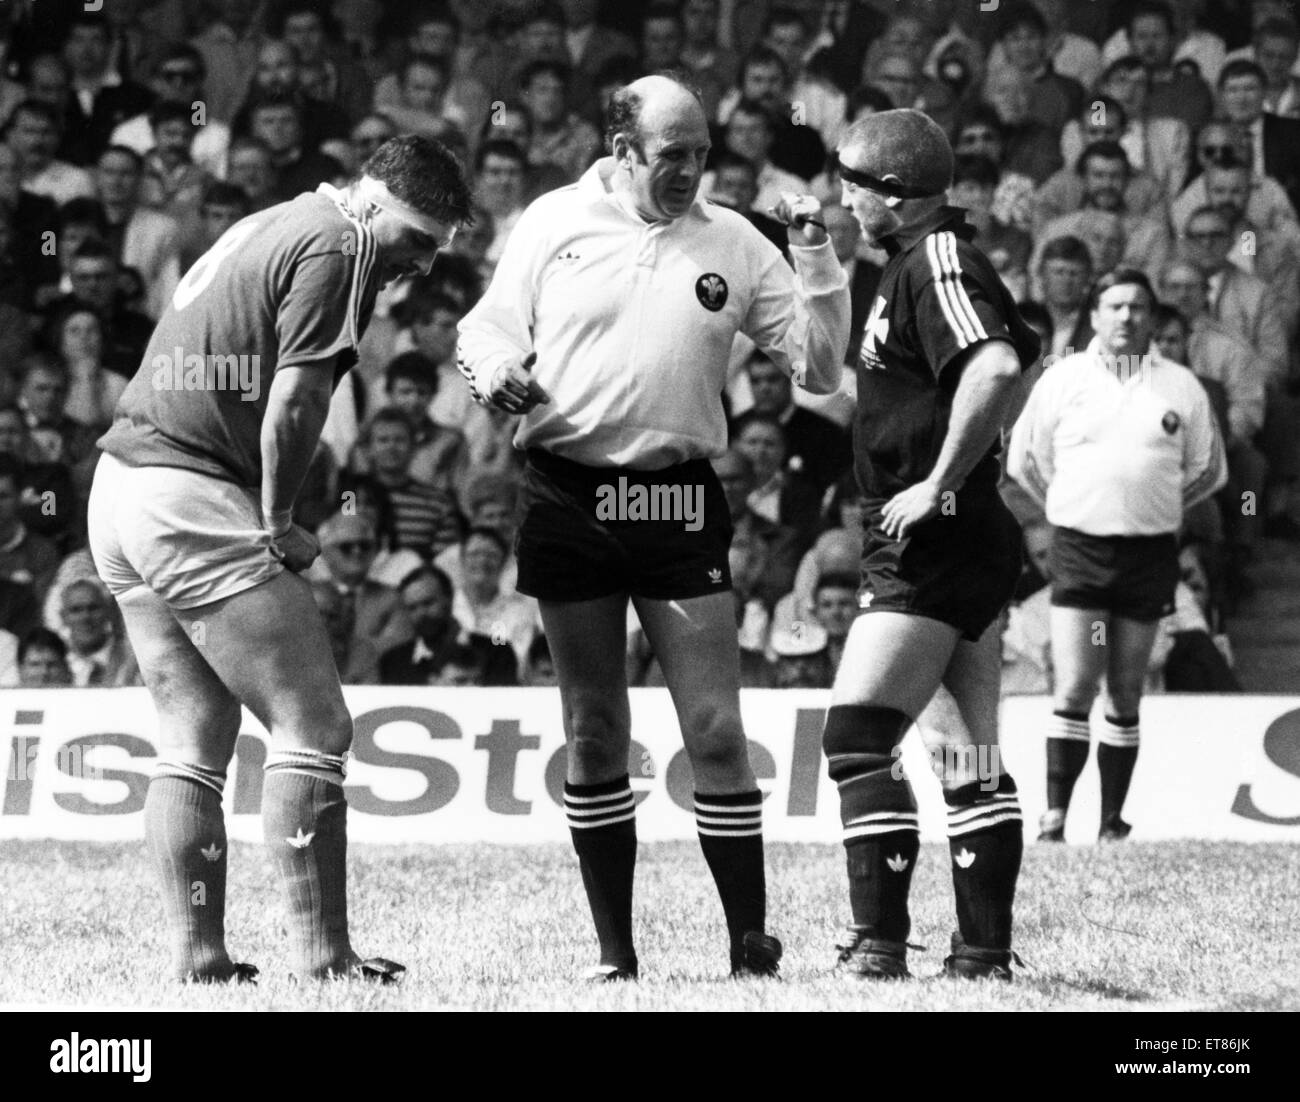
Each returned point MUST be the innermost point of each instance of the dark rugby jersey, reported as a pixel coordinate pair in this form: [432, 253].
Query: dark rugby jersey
[290, 286]
[938, 298]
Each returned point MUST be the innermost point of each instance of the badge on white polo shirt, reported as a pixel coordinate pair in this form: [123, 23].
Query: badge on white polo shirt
[1170, 422]
[711, 290]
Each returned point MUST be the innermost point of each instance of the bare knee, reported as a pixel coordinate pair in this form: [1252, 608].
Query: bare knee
[715, 740]
[598, 734]
[1123, 701]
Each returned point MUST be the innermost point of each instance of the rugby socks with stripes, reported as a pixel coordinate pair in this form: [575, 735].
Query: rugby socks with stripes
[304, 819]
[1067, 754]
[602, 821]
[878, 811]
[1117, 751]
[986, 840]
[731, 835]
[185, 832]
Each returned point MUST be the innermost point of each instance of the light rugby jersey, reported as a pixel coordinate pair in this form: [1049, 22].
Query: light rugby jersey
[1117, 448]
[633, 322]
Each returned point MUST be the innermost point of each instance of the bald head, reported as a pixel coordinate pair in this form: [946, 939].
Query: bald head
[659, 136]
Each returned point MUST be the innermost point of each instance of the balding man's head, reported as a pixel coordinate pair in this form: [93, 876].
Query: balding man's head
[659, 135]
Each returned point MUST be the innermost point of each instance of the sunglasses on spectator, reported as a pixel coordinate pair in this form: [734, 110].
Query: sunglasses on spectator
[355, 547]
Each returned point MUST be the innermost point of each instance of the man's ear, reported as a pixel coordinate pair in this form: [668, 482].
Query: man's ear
[893, 202]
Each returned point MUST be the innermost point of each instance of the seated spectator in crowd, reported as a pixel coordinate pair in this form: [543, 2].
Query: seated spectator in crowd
[277, 122]
[25, 218]
[1275, 141]
[980, 133]
[491, 501]
[76, 336]
[25, 557]
[253, 172]
[425, 517]
[364, 496]
[99, 654]
[899, 73]
[1221, 144]
[511, 121]
[461, 667]
[49, 503]
[500, 169]
[735, 185]
[95, 276]
[411, 381]
[1030, 148]
[823, 105]
[1104, 170]
[429, 318]
[781, 496]
[102, 96]
[355, 656]
[33, 132]
[816, 448]
[420, 106]
[974, 184]
[43, 660]
[703, 58]
[177, 81]
[795, 147]
[427, 594]
[1064, 276]
[835, 607]
[55, 437]
[348, 546]
[539, 668]
[560, 137]
[749, 134]
[173, 184]
[1023, 36]
[802, 657]
[1103, 120]
[278, 78]
[1174, 91]
[479, 602]
[1158, 147]
[223, 205]
[336, 81]
[367, 135]
[1276, 44]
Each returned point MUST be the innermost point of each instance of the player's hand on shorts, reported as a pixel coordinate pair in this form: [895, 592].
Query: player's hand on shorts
[802, 217]
[297, 548]
[515, 390]
[905, 510]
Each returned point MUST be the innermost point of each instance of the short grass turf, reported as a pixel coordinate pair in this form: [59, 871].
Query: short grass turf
[1168, 926]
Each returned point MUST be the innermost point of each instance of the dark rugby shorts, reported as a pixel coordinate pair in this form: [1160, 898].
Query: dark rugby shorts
[960, 569]
[1130, 576]
[567, 553]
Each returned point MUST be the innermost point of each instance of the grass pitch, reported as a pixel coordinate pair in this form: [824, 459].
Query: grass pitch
[1184, 926]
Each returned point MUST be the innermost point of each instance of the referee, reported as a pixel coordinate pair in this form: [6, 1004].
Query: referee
[607, 327]
[1117, 443]
[938, 373]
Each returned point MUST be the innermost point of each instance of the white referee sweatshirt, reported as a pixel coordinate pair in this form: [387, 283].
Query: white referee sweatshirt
[1113, 451]
[633, 322]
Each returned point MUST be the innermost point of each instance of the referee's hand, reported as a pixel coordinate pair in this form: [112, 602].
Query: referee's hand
[515, 390]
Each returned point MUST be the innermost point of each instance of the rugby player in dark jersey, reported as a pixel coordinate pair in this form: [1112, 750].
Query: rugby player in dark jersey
[938, 374]
[191, 527]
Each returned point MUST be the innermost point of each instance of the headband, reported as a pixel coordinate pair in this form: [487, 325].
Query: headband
[376, 191]
[885, 187]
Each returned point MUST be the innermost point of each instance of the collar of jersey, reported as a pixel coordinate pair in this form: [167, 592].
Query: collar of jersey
[907, 237]
[594, 183]
[1149, 359]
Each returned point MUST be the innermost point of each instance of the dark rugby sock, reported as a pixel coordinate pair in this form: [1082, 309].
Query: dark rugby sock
[1117, 751]
[602, 822]
[185, 833]
[986, 840]
[1067, 754]
[304, 818]
[731, 835]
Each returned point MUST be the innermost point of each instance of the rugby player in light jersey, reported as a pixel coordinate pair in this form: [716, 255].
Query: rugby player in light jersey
[191, 527]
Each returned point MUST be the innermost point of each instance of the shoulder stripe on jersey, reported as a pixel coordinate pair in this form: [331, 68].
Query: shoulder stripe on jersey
[941, 289]
[948, 252]
[366, 252]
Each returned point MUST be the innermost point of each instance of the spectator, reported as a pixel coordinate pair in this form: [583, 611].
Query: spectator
[368, 133]
[980, 133]
[500, 170]
[707, 62]
[491, 501]
[43, 660]
[253, 172]
[802, 658]
[33, 132]
[1274, 48]
[816, 448]
[431, 318]
[511, 121]
[479, 602]
[355, 656]
[26, 217]
[560, 137]
[420, 105]
[425, 517]
[750, 133]
[1065, 273]
[1222, 144]
[365, 496]
[1174, 92]
[94, 274]
[277, 123]
[228, 45]
[1196, 50]
[1275, 141]
[539, 669]
[173, 184]
[411, 381]
[56, 437]
[98, 652]
[102, 97]
[76, 335]
[780, 496]
[822, 104]
[348, 544]
[26, 558]
[461, 668]
[146, 240]
[1022, 34]
[835, 607]
[49, 501]
[336, 80]
[735, 185]
[427, 594]
[1028, 147]
[223, 205]
[796, 147]
[591, 47]
[178, 78]
[974, 184]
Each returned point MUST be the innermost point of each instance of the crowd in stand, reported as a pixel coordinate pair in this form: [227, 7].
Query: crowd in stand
[1161, 136]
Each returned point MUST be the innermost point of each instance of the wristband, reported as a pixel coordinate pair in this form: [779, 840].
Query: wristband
[279, 523]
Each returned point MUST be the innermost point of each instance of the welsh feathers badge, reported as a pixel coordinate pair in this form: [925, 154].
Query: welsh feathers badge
[711, 290]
